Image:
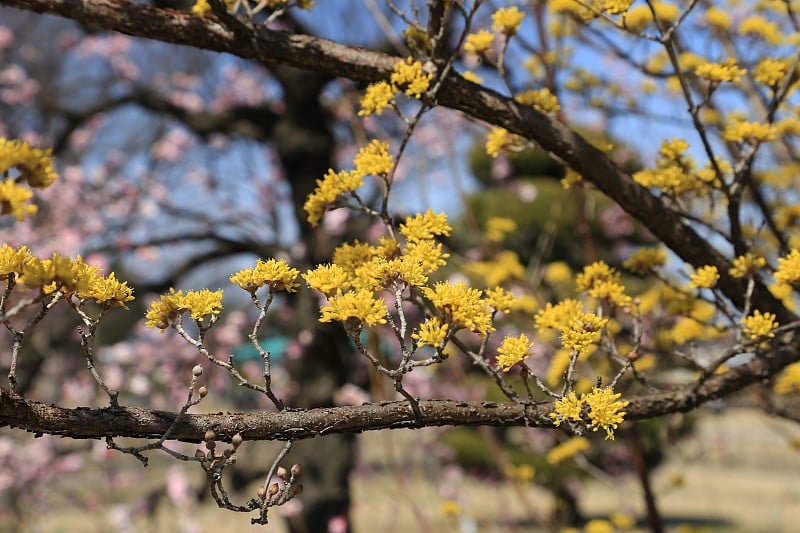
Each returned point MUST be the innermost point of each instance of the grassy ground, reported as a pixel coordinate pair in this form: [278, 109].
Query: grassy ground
[739, 474]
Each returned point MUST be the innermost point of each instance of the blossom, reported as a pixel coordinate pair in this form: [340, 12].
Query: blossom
[328, 191]
[567, 449]
[425, 226]
[601, 407]
[431, 333]
[359, 305]
[275, 273]
[507, 20]
[496, 141]
[498, 227]
[500, 299]
[428, 253]
[747, 265]
[645, 260]
[582, 331]
[759, 325]
[201, 8]
[409, 74]
[788, 381]
[461, 306]
[376, 98]
[718, 18]
[169, 307]
[719, 72]
[479, 43]
[772, 71]
[12, 260]
[327, 279]
[373, 159]
[542, 100]
[705, 277]
[748, 132]
[513, 350]
[34, 164]
[109, 291]
[557, 316]
[15, 200]
[788, 268]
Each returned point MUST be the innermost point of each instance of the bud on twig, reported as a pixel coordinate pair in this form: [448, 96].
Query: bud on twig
[197, 371]
[262, 492]
[273, 489]
[202, 391]
[296, 470]
[281, 473]
[210, 435]
[236, 440]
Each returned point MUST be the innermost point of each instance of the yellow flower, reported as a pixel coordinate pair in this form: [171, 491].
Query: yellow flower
[705, 277]
[748, 132]
[425, 226]
[351, 256]
[567, 450]
[359, 305]
[328, 191]
[428, 253]
[376, 98]
[718, 18]
[558, 273]
[327, 279]
[597, 525]
[759, 325]
[507, 20]
[788, 271]
[169, 307]
[373, 159]
[601, 406]
[496, 141]
[772, 71]
[498, 227]
[719, 72]
[646, 260]
[513, 350]
[201, 8]
[500, 299]
[275, 273]
[431, 333]
[108, 291]
[747, 265]
[408, 74]
[12, 260]
[542, 100]
[461, 306]
[557, 316]
[789, 380]
[34, 165]
[582, 331]
[597, 271]
[15, 200]
[479, 43]
[758, 25]
[451, 509]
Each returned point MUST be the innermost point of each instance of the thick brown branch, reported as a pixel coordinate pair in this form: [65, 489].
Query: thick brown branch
[84, 423]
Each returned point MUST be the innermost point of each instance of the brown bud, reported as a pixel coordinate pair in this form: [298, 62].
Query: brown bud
[210, 445]
[296, 470]
[236, 440]
[262, 492]
[273, 489]
[210, 435]
[633, 356]
[297, 490]
[202, 391]
[282, 473]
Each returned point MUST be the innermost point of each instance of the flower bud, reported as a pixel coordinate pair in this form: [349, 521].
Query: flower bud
[281, 473]
[236, 440]
[296, 470]
[633, 356]
[197, 371]
[262, 493]
[210, 435]
[273, 489]
[297, 490]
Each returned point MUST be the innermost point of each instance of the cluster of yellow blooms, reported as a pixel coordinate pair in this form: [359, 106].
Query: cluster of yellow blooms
[748, 132]
[34, 166]
[728, 71]
[505, 20]
[705, 277]
[646, 260]
[568, 449]
[542, 100]
[273, 273]
[579, 330]
[601, 281]
[759, 325]
[513, 350]
[788, 272]
[373, 159]
[600, 409]
[407, 76]
[675, 172]
[71, 277]
[202, 7]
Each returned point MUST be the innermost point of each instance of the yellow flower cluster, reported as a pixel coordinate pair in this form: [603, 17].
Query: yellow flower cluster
[327, 279]
[407, 76]
[169, 307]
[789, 380]
[759, 325]
[748, 132]
[601, 281]
[600, 409]
[674, 172]
[718, 18]
[201, 8]
[497, 140]
[761, 27]
[568, 449]
[15, 200]
[504, 267]
[728, 71]
[275, 273]
[373, 159]
[432, 333]
[513, 350]
[557, 316]
[497, 228]
[542, 100]
[34, 165]
[646, 260]
[500, 299]
[583, 330]
[705, 277]
[479, 43]
[461, 306]
[359, 306]
[425, 226]
[507, 20]
[788, 272]
[615, 7]
[747, 265]
[71, 277]
[772, 71]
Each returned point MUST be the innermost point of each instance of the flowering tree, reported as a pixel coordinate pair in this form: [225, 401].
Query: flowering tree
[580, 352]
